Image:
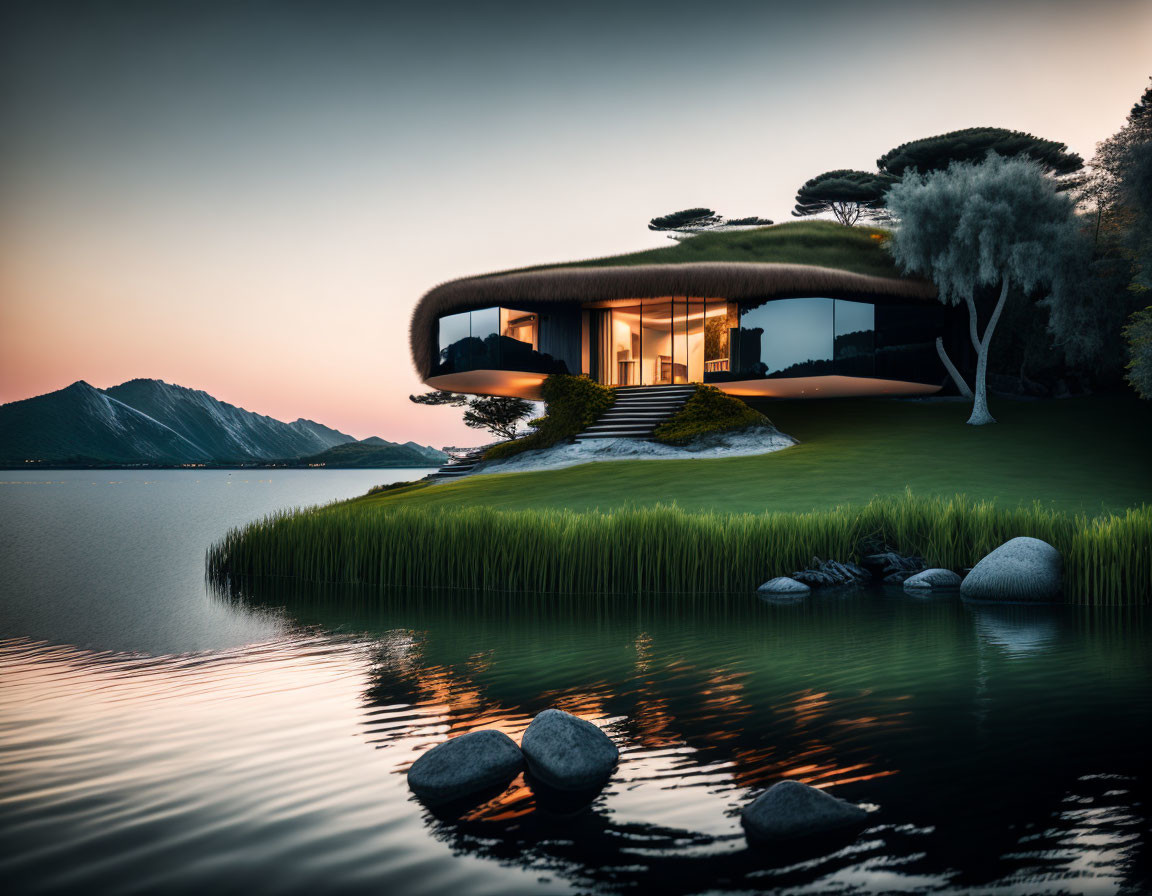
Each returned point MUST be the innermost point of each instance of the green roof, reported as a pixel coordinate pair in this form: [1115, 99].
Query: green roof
[822, 243]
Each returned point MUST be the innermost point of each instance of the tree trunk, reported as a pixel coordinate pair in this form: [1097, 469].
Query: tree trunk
[980, 414]
[951, 368]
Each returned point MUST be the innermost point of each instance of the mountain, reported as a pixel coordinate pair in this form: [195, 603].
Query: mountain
[223, 431]
[375, 452]
[81, 424]
[155, 423]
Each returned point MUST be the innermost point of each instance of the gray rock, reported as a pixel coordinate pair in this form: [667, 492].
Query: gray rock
[568, 753]
[935, 579]
[784, 585]
[791, 809]
[1023, 569]
[465, 765]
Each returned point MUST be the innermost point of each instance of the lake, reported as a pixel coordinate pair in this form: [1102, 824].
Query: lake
[157, 736]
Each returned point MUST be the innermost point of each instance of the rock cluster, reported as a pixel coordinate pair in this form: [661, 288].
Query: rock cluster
[892, 568]
[823, 573]
[562, 751]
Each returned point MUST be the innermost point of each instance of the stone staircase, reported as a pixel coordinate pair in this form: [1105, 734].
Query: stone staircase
[460, 464]
[637, 411]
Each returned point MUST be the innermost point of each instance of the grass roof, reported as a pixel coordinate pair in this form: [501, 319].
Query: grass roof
[827, 244]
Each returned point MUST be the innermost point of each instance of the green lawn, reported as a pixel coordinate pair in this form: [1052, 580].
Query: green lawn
[1076, 454]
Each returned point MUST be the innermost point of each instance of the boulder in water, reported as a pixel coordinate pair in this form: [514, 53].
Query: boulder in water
[784, 585]
[465, 765]
[790, 809]
[1020, 570]
[568, 753]
[935, 579]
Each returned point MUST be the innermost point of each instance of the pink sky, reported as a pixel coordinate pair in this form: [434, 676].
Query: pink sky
[275, 262]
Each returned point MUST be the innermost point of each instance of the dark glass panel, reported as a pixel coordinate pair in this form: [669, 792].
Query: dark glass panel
[855, 343]
[905, 343]
[454, 340]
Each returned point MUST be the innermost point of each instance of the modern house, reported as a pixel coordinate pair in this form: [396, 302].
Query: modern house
[798, 310]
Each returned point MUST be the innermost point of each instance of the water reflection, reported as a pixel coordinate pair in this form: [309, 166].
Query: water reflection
[1017, 631]
[890, 701]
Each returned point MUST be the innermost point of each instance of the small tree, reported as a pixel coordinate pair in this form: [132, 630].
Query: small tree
[845, 193]
[497, 414]
[695, 218]
[439, 397]
[999, 223]
[973, 145]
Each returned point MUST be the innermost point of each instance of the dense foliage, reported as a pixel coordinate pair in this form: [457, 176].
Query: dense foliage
[847, 194]
[1139, 335]
[571, 403]
[1000, 223]
[708, 411]
[973, 145]
[668, 550]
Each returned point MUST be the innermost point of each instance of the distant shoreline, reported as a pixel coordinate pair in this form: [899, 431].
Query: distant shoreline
[8, 467]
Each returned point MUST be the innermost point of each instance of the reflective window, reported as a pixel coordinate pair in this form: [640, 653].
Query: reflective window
[502, 339]
[855, 343]
[455, 351]
[486, 338]
[787, 337]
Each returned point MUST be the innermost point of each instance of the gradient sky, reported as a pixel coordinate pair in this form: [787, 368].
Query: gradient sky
[250, 197]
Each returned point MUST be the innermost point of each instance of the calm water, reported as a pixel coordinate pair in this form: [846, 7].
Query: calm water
[156, 737]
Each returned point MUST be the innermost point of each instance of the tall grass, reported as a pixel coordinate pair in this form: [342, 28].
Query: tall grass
[1108, 560]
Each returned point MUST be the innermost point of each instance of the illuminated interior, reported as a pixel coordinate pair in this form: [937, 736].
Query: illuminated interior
[659, 342]
[789, 347]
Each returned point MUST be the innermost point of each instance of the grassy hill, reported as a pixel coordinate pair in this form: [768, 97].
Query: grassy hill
[823, 243]
[369, 453]
[1075, 455]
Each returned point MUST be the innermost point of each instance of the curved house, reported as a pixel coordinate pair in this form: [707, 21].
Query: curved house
[749, 327]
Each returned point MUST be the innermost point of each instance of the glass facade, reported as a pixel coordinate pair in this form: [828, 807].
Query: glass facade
[822, 337]
[493, 339]
[685, 339]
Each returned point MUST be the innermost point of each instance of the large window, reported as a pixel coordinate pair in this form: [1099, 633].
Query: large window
[493, 339]
[787, 337]
[819, 336]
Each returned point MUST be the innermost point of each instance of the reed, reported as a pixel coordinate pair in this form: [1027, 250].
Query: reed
[1108, 559]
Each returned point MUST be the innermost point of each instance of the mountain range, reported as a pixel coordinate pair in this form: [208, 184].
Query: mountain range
[150, 422]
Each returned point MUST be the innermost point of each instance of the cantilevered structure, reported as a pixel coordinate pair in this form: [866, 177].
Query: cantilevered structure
[810, 309]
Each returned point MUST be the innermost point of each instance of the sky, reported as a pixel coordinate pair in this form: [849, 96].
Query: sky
[250, 197]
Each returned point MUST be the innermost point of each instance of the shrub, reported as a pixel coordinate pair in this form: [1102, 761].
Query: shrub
[708, 410]
[571, 404]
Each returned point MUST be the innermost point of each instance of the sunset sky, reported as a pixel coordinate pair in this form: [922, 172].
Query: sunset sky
[249, 198]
